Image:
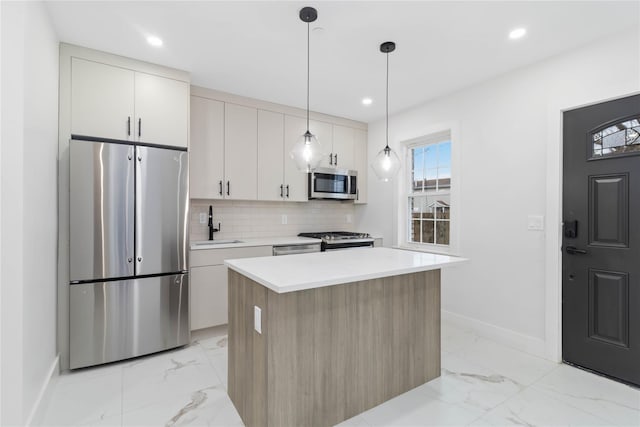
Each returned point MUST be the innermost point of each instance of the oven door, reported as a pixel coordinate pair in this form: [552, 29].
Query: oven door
[348, 244]
[326, 183]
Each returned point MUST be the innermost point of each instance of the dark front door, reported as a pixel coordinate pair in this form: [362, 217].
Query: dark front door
[601, 243]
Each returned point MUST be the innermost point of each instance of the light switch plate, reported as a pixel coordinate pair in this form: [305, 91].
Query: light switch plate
[257, 319]
[284, 219]
[203, 218]
[535, 222]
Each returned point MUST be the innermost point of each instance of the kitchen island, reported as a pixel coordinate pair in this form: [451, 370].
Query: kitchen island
[315, 339]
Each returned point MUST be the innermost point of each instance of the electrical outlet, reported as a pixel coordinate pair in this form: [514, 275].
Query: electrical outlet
[284, 219]
[203, 218]
[257, 319]
[349, 219]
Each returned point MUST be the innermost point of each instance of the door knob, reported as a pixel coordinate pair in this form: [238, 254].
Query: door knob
[572, 250]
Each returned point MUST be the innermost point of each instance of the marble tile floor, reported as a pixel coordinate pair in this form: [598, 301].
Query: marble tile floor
[483, 383]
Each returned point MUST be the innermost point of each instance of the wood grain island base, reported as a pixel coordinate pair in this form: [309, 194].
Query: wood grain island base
[329, 353]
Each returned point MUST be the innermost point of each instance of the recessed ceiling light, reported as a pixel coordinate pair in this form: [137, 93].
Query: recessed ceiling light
[367, 101]
[154, 41]
[517, 33]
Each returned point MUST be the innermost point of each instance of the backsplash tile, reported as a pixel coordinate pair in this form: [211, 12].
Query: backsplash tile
[255, 219]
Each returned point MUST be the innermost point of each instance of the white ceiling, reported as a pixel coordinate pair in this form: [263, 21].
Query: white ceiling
[258, 49]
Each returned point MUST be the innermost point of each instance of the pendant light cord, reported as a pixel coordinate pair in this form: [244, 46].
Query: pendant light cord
[307, 77]
[387, 147]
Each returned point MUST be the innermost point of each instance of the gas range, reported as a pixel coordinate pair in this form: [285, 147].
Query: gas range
[332, 240]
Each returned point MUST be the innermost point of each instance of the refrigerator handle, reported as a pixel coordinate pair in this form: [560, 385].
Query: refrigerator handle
[130, 209]
[138, 209]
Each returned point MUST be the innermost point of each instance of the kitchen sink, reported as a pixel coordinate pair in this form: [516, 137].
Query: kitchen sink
[216, 242]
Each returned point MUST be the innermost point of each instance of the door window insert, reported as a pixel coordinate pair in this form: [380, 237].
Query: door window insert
[618, 139]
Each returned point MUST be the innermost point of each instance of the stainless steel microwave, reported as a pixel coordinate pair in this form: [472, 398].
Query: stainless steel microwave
[329, 183]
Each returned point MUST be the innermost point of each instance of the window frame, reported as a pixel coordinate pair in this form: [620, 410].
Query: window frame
[405, 187]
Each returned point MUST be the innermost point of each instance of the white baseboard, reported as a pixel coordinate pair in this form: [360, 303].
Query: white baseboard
[40, 405]
[516, 340]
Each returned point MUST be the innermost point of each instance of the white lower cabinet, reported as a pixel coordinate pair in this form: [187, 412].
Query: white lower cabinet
[209, 293]
[208, 296]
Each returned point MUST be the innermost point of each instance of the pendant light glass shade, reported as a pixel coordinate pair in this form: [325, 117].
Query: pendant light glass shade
[307, 151]
[386, 164]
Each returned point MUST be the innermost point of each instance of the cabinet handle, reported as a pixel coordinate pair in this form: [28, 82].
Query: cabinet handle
[139, 127]
[128, 125]
[330, 158]
[335, 162]
[287, 191]
[358, 194]
[281, 190]
[228, 188]
[220, 187]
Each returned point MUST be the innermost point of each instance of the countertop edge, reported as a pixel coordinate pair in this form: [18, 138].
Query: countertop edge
[248, 243]
[343, 280]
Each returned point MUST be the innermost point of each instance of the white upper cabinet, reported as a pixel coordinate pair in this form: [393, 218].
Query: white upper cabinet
[162, 110]
[206, 157]
[102, 100]
[240, 148]
[343, 147]
[338, 144]
[324, 132]
[114, 102]
[240, 152]
[361, 164]
[295, 181]
[271, 155]
[278, 177]
[224, 150]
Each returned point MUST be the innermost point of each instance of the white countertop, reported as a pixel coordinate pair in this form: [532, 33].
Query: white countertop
[315, 270]
[267, 241]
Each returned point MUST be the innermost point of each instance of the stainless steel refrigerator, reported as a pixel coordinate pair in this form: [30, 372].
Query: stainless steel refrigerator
[129, 283]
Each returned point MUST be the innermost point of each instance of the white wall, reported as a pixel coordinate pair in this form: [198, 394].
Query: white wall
[29, 206]
[509, 137]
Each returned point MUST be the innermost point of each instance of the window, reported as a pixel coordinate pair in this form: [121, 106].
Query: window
[618, 139]
[429, 193]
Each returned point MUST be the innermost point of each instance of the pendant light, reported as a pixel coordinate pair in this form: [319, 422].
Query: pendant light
[386, 164]
[307, 151]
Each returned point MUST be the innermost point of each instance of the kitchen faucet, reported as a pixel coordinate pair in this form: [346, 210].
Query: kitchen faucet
[211, 229]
